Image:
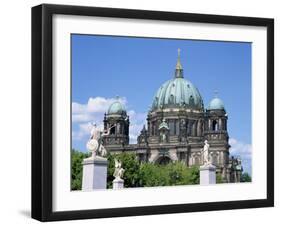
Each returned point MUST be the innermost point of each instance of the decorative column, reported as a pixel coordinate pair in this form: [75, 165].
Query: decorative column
[207, 174]
[94, 173]
[118, 183]
[207, 170]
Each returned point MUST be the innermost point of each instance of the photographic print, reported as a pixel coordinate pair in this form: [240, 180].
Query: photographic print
[150, 112]
[138, 112]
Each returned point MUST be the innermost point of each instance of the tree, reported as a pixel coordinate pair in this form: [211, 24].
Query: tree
[130, 164]
[245, 177]
[153, 175]
[219, 179]
[138, 174]
[176, 173]
[76, 169]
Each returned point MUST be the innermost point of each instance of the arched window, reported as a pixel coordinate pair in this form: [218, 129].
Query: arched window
[112, 130]
[182, 156]
[191, 101]
[118, 128]
[215, 125]
[189, 128]
[172, 127]
[199, 128]
[214, 159]
[171, 99]
[164, 160]
[194, 131]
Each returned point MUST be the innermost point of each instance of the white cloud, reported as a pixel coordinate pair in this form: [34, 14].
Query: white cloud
[83, 131]
[78, 108]
[134, 132]
[101, 104]
[239, 148]
[244, 151]
[82, 117]
[137, 121]
[93, 112]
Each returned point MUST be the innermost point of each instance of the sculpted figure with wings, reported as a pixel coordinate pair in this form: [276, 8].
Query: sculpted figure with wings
[119, 171]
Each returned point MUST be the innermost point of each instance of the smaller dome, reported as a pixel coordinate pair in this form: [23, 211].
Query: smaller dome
[216, 104]
[116, 108]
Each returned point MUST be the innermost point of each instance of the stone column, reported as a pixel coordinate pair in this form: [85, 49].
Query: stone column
[94, 173]
[207, 174]
[118, 183]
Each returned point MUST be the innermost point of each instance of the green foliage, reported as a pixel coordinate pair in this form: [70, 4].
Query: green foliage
[131, 166]
[176, 173]
[76, 169]
[194, 175]
[152, 175]
[245, 177]
[137, 174]
[219, 179]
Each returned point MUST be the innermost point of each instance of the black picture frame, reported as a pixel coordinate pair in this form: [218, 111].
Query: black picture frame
[42, 111]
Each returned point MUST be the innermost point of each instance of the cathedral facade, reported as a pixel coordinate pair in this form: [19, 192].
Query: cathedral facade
[177, 126]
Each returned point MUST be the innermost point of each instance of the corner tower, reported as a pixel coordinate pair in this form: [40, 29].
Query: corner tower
[216, 123]
[216, 133]
[117, 120]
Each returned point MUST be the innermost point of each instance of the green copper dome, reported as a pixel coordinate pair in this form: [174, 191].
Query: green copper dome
[178, 92]
[216, 104]
[116, 108]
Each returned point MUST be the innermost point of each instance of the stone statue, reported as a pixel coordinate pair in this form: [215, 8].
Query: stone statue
[94, 144]
[163, 137]
[205, 154]
[163, 127]
[119, 171]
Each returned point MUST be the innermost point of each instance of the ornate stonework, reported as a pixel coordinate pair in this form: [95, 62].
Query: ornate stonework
[177, 126]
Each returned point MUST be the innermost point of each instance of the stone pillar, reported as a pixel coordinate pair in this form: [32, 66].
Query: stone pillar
[239, 173]
[94, 173]
[207, 174]
[118, 183]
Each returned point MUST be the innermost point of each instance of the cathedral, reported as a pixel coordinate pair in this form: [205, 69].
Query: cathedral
[177, 126]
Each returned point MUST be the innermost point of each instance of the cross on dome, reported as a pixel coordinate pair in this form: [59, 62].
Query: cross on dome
[179, 69]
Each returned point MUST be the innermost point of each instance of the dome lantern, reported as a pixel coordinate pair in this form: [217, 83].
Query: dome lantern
[116, 108]
[216, 103]
[179, 69]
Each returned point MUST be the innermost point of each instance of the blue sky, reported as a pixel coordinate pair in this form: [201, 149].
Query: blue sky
[134, 68]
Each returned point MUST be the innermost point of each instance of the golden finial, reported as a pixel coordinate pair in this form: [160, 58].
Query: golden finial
[178, 66]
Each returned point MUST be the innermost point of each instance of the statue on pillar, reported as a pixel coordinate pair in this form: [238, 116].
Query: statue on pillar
[119, 171]
[205, 153]
[207, 170]
[94, 144]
